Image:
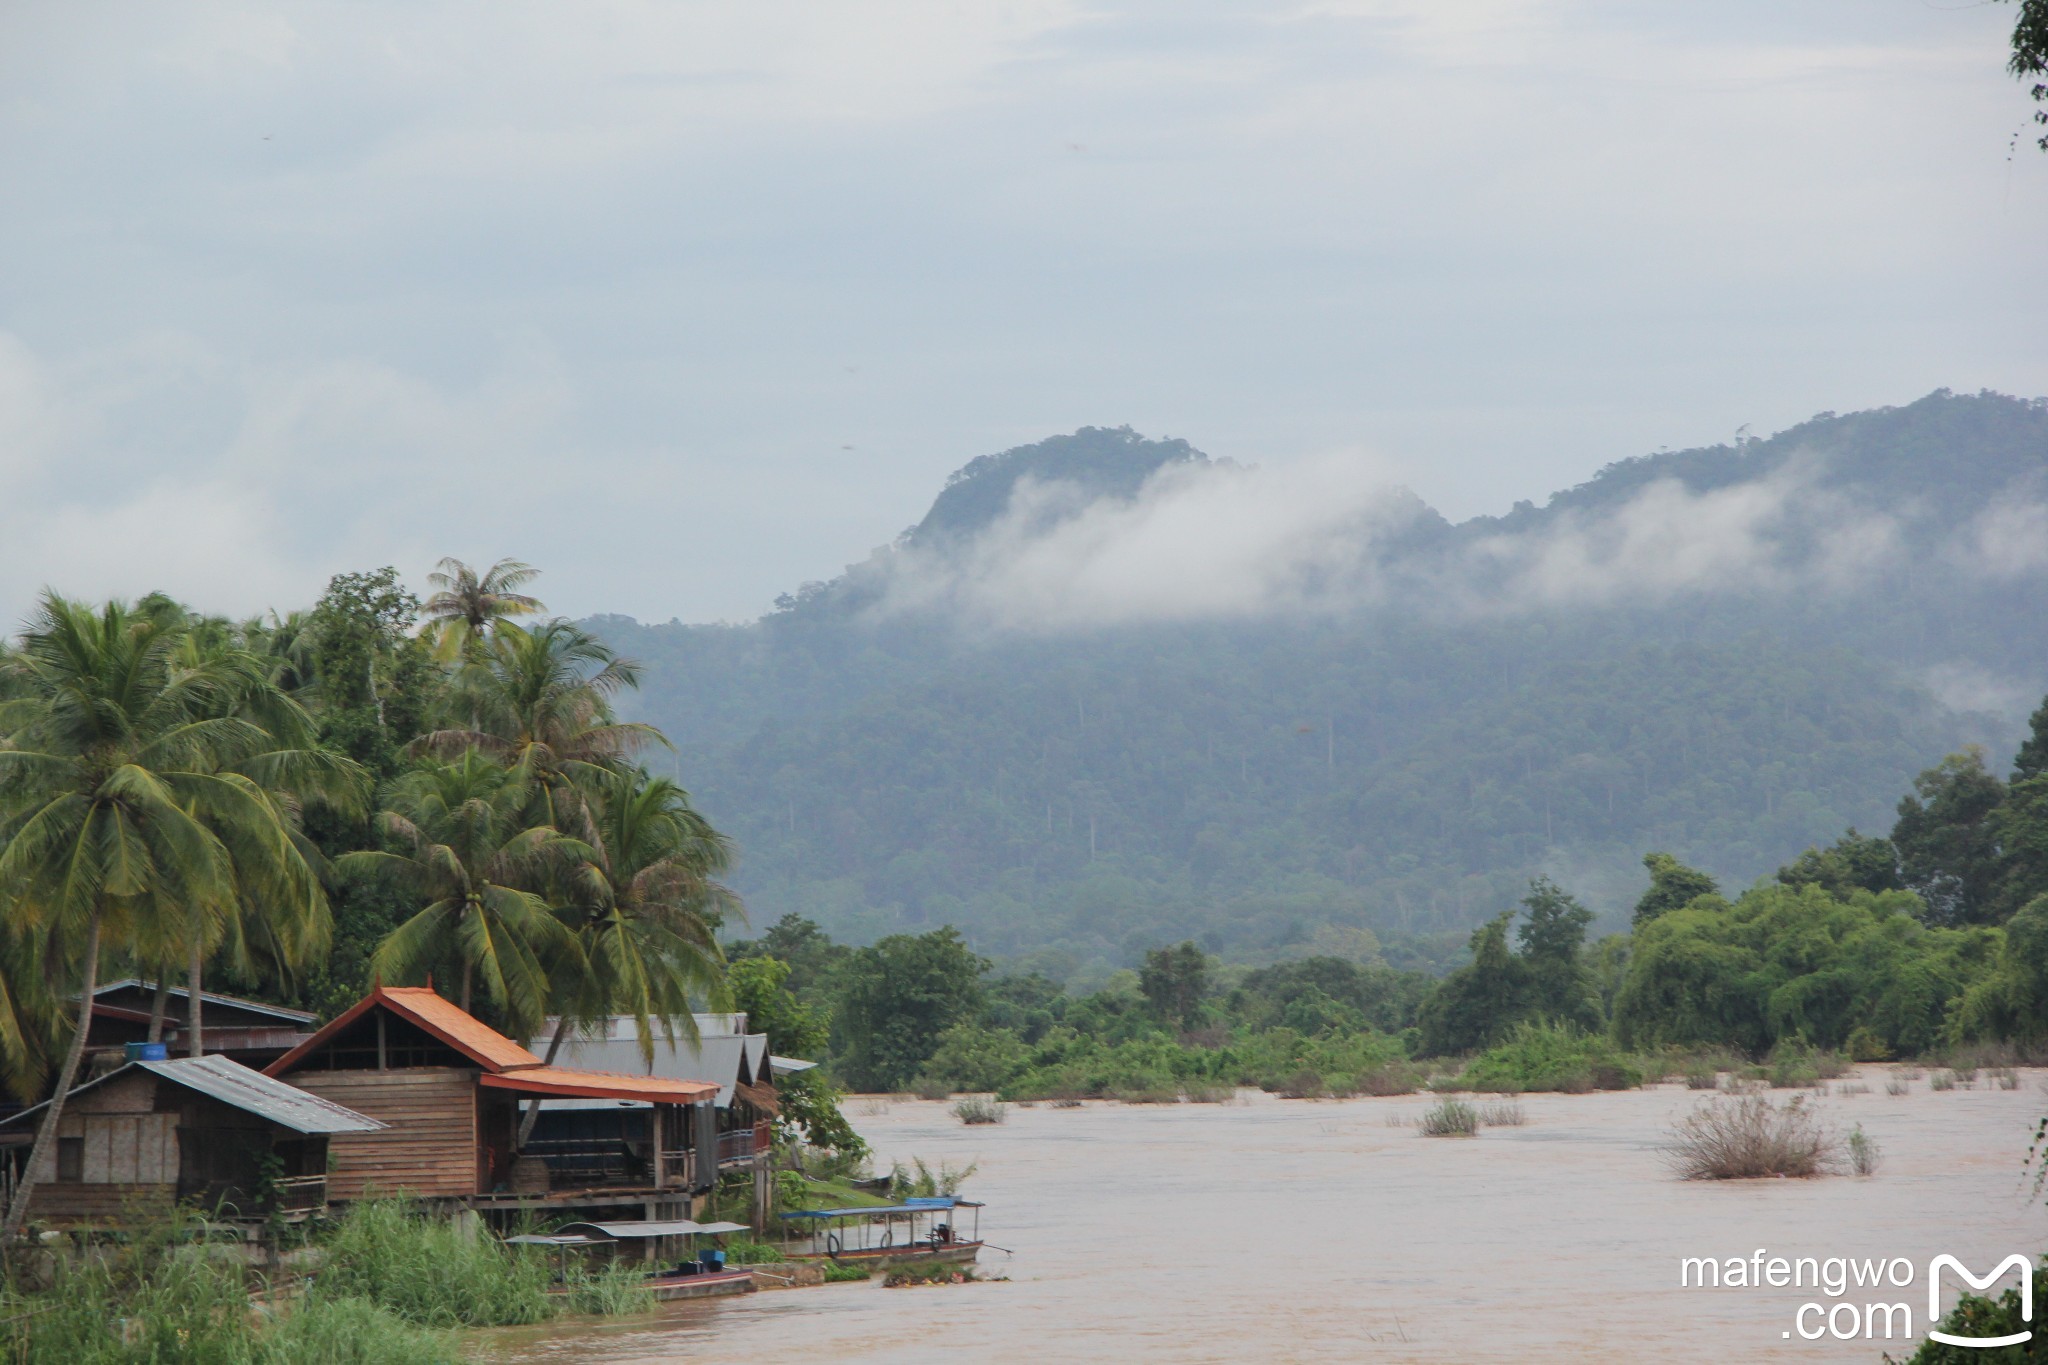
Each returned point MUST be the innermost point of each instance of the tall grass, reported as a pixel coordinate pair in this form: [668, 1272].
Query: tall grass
[614, 1290]
[168, 1297]
[432, 1272]
[1450, 1118]
[1749, 1136]
[1863, 1153]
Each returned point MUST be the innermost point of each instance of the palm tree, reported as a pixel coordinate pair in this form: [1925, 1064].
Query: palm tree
[541, 703]
[646, 904]
[279, 918]
[120, 804]
[466, 607]
[467, 851]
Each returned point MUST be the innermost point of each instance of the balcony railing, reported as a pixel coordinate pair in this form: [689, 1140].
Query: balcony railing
[295, 1192]
[737, 1146]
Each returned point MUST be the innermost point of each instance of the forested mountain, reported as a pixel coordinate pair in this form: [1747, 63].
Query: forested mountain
[1109, 693]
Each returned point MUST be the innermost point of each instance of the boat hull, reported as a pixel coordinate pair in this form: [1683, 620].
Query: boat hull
[953, 1253]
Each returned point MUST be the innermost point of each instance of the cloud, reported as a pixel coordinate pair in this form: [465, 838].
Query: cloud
[1213, 541]
[1222, 541]
[2009, 539]
[161, 465]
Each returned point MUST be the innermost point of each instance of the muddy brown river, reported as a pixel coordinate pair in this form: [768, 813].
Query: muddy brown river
[1308, 1231]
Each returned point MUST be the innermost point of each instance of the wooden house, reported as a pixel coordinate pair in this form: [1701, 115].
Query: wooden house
[201, 1128]
[723, 1053]
[249, 1031]
[448, 1088]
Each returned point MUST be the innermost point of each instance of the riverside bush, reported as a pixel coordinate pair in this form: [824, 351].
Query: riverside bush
[1549, 1057]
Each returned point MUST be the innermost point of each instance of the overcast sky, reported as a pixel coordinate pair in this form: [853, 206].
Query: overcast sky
[689, 303]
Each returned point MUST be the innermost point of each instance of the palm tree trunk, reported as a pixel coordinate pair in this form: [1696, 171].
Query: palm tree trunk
[157, 1005]
[195, 967]
[466, 970]
[533, 1107]
[46, 1132]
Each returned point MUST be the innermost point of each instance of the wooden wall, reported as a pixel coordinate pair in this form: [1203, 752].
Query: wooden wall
[430, 1149]
[130, 1154]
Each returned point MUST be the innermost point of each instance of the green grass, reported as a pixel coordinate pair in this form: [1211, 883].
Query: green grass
[430, 1271]
[615, 1290]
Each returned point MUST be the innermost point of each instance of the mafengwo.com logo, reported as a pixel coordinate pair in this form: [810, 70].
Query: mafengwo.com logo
[1861, 1293]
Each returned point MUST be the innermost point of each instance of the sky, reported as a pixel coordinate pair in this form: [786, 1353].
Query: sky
[687, 304]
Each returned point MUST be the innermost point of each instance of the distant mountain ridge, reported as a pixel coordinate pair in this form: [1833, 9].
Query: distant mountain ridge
[1728, 652]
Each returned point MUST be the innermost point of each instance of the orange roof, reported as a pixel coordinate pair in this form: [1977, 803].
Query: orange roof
[485, 1046]
[600, 1085]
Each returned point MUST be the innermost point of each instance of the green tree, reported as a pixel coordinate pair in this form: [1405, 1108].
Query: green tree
[1174, 980]
[644, 902]
[1947, 840]
[1553, 940]
[1673, 886]
[1853, 862]
[540, 702]
[121, 805]
[1479, 1002]
[2029, 60]
[466, 854]
[467, 607]
[896, 998]
[809, 1111]
[370, 678]
[2012, 1002]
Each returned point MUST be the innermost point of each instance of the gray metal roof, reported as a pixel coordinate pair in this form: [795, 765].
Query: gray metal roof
[208, 998]
[249, 1090]
[717, 1057]
[253, 1092]
[681, 1227]
[787, 1064]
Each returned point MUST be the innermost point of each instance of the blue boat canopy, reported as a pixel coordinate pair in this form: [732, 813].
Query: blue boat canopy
[924, 1204]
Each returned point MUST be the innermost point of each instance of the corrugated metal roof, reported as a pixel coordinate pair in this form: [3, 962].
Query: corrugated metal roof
[600, 1085]
[208, 998]
[244, 1088]
[716, 1057]
[790, 1064]
[253, 1092]
[680, 1227]
[484, 1045]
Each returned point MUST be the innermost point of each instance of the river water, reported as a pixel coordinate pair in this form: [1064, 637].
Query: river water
[1276, 1230]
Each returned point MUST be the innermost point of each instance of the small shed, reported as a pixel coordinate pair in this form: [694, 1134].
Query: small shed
[202, 1128]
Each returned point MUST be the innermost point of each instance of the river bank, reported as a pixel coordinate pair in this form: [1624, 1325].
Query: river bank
[1331, 1230]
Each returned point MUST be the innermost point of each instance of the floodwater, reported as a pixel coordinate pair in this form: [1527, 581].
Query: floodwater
[1276, 1230]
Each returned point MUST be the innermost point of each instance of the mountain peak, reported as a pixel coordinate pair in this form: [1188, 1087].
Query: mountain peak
[1101, 461]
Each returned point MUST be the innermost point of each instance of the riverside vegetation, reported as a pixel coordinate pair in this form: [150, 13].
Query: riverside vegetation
[1930, 943]
[386, 1284]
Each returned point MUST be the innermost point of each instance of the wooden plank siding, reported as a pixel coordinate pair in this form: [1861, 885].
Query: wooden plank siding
[72, 1202]
[430, 1149]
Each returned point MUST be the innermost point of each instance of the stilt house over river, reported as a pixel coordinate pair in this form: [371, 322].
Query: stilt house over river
[448, 1090]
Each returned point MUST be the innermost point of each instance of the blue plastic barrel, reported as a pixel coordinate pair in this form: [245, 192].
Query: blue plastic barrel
[145, 1052]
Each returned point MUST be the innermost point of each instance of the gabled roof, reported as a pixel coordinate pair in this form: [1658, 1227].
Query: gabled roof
[243, 1088]
[209, 998]
[599, 1085]
[485, 1046]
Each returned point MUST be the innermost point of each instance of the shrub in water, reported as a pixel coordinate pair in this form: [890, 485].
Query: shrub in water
[980, 1109]
[1863, 1153]
[1897, 1085]
[1942, 1080]
[1450, 1118]
[1749, 1136]
[1502, 1114]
